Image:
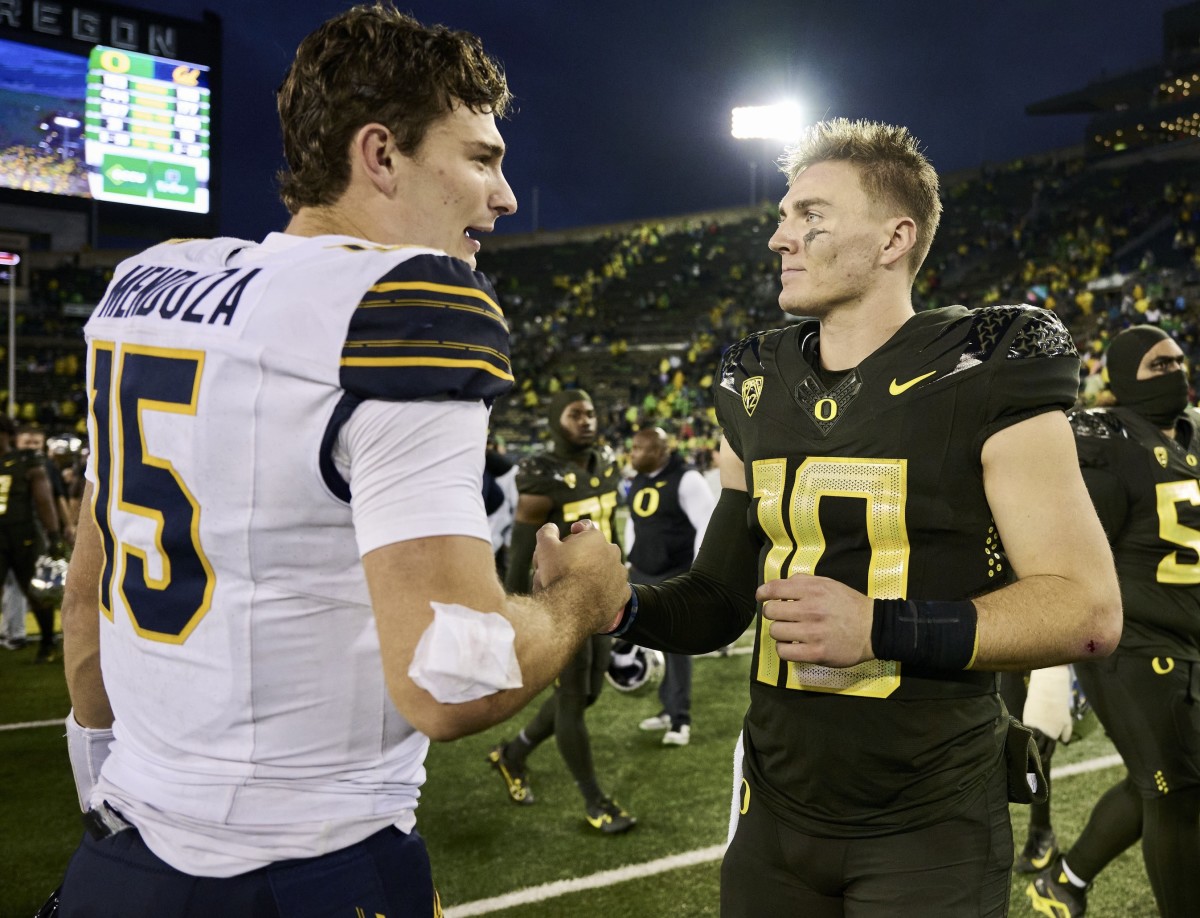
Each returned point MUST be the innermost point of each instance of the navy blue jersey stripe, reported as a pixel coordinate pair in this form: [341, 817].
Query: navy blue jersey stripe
[430, 328]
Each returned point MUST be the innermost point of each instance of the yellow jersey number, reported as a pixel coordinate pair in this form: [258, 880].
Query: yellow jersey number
[164, 579]
[598, 508]
[788, 514]
[1169, 495]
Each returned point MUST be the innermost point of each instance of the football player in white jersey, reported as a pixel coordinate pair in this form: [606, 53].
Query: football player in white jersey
[238, 747]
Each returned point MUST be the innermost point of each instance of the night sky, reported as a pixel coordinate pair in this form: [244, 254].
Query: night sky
[623, 107]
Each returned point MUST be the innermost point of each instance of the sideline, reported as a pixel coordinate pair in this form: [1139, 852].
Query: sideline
[533, 894]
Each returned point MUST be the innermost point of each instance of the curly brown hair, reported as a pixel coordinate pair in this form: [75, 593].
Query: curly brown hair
[893, 170]
[373, 63]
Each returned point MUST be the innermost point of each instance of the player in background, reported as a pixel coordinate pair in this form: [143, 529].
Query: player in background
[902, 500]
[669, 507]
[574, 480]
[1141, 462]
[283, 544]
[12, 597]
[26, 499]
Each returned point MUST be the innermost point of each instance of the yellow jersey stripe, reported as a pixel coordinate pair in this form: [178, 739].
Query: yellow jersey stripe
[453, 290]
[426, 362]
[443, 345]
[438, 304]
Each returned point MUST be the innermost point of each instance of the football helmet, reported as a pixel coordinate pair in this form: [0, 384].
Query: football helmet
[49, 579]
[635, 669]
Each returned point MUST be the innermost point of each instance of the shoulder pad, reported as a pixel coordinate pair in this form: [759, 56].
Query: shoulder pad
[1036, 332]
[1097, 423]
[744, 359]
[537, 474]
[429, 328]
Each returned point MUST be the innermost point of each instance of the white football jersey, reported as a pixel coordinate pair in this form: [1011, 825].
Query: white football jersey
[238, 643]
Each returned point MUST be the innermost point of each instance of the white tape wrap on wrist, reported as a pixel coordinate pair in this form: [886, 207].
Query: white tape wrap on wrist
[1048, 702]
[464, 655]
[87, 749]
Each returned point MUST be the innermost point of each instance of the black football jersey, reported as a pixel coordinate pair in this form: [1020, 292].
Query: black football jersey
[16, 493]
[876, 481]
[578, 492]
[1154, 527]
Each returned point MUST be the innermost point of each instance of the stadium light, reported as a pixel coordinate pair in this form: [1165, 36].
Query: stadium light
[782, 121]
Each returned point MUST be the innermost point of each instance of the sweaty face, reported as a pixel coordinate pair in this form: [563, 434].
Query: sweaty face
[453, 189]
[578, 423]
[829, 240]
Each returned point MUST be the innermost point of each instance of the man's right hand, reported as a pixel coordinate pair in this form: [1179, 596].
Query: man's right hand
[587, 557]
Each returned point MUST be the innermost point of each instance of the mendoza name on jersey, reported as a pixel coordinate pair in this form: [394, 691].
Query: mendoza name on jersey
[171, 293]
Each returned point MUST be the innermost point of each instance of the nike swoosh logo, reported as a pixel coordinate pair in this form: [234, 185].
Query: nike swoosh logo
[896, 388]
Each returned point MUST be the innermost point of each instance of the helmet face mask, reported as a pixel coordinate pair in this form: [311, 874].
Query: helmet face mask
[635, 670]
[49, 579]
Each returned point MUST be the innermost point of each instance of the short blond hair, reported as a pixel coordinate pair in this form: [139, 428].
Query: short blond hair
[893, 171]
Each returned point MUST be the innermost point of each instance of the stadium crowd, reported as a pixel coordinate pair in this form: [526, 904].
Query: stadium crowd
[640, 315]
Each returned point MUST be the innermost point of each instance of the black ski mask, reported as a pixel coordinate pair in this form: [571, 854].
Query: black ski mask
[1160, 399]
[558, 404]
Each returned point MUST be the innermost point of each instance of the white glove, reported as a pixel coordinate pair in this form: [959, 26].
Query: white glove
[1048, 702]
[87, 748]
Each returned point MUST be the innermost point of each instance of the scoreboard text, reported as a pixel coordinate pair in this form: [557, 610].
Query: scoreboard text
[147, 136]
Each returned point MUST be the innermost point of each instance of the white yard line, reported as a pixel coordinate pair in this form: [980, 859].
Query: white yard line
[29, 724]
[596, 880]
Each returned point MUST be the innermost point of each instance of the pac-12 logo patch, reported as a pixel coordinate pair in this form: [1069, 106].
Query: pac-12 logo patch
[751, 391]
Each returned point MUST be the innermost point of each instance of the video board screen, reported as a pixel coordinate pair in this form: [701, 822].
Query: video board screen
[147, 136]
[116, 125]
[41, 97]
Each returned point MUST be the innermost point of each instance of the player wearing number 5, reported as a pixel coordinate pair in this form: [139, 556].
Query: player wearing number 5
[916, 520]
[283, 549]
[1141, 462]
[574, 480]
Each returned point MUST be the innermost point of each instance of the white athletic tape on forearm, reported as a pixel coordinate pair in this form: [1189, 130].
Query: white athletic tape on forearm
[87, 750]
[465, 655]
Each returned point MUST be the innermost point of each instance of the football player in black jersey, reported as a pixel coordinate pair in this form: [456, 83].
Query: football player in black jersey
[26, 496]
[901, 498]
[1141, 462]
[576, 480]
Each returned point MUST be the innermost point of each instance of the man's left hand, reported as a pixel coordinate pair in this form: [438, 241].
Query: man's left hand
[818, 620]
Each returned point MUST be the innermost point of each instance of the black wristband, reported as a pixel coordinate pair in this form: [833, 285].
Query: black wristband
[628, 614]
[940, 635]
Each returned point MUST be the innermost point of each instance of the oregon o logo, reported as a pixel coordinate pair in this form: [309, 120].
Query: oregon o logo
[645, 502]
[825, 409]
[745, 805]
[114, 61]
[1162, 668]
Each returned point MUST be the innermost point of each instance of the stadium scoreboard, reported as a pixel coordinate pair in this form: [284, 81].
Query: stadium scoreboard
[147, 130]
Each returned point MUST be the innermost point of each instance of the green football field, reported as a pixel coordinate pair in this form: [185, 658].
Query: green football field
[491, 857]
